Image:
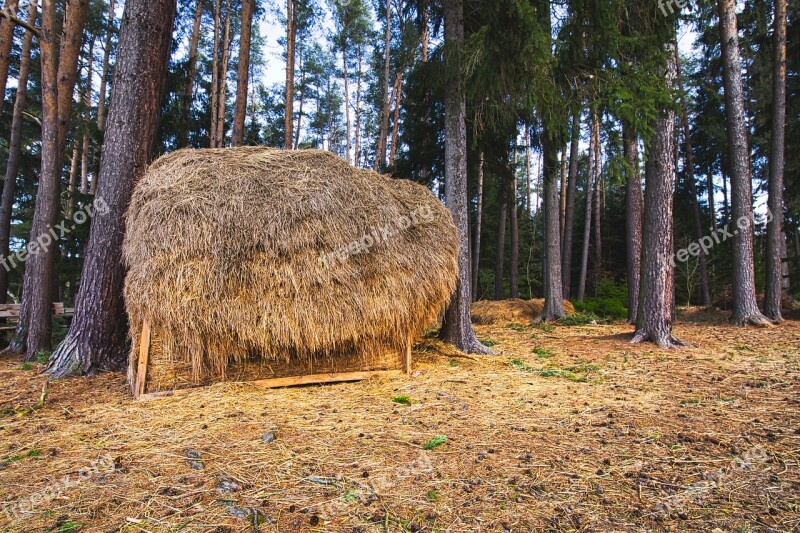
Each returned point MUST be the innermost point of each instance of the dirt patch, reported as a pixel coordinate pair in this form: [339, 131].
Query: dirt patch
[566, 428]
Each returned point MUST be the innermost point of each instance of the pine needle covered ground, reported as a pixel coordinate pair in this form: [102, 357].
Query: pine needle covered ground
[568, 428]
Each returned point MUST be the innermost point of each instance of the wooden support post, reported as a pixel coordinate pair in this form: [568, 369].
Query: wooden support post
[144, 356]
[407, 365]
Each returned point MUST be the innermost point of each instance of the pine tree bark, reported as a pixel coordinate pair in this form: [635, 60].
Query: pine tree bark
[6, 42]
[745, 306]
[398, 97]
[383, 134]
[97, 339]
[657, 292]
[705, 293]
[87, 106]
[243, 73]
[59, 72]
[528, 171]
[14, 148]
[587, 221]
[711, 208]
[357, 145]
[569, 212]
[553, 284]
[222, 92]
[348, 123]
[72, 184]
[214, 96]
[191, 71]
[563, 194]
[476, 248]
[774, 282]
[499, 264]
[514, 262]
[457, 327]
[598, 191]
[291, 34]
[634, 202]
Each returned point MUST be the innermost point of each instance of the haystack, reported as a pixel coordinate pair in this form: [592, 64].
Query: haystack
[253, 262]
[514, 310]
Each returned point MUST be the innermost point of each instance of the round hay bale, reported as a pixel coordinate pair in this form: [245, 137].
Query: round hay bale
[514, 310]
[235, 253]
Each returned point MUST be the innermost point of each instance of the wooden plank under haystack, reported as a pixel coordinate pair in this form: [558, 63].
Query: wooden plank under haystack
[256, 264]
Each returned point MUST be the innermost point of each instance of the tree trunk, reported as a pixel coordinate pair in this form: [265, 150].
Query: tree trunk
[514, 264]
[191, 70]
[499, 264]
[348, 124]
[97, 339]
[58, 84]
[288, 120]
[214, 96]
[569, 212]
[705, 294]
[243, 73]
[380, 155]
[634, 206]
[528, 171]
[656, 295]
[587, 222]
[357, 145]
[398, 97]
[553, 284]
[6, 42]
[14, 147]
[300, 110]
[87, 107]
[72, 184]
[457, 327]
[562, 206]
[774, 283]
[711, 209]
[598, 191]
[745, 306]
[222, 93]
[476, 248]
[101, 101]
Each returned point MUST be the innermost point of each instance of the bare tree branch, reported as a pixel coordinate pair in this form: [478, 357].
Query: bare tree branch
[8, 13]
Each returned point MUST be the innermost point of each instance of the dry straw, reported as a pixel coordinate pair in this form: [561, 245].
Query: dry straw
[224, 253]
[515, 310]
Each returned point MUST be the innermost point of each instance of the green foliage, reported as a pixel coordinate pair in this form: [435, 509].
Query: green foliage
[43, 356]
[435, 442]
[401, 399]
[610, 301]
[26, 365]
[542, 353]
[579, 319]
[29, 454]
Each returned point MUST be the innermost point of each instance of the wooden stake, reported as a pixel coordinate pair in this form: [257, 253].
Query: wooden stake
[144, 356]
[408, 355]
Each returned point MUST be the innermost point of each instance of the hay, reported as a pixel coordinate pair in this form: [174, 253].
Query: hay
[513, 310]
[244, 252]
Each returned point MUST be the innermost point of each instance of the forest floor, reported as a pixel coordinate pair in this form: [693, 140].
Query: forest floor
[567, 428]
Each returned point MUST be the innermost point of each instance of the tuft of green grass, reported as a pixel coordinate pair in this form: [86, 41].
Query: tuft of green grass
[14, 458]
[66, 527]
[580, 319]
[547, 328]
[517, 326]
[543, 353]
[489, 343]
[454, 363]
[402, 399]
[432, 496]
[435, 442]
[26, 365]
[578, 373]
[43, 357]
